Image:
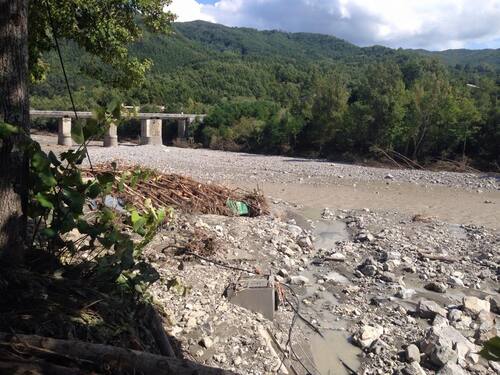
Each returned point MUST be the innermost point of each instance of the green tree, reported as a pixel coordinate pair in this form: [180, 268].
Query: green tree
[328, 110]
[102, 28]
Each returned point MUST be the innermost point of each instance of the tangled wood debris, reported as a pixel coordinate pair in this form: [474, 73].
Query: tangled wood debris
[184, 193]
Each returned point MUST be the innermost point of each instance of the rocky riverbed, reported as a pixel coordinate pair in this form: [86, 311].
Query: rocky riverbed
[388, 293]
[407, 285]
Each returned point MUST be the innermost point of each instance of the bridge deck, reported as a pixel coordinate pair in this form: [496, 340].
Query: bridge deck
[142, 116]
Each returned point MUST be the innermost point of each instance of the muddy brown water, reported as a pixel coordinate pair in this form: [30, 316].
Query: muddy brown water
[451, 205]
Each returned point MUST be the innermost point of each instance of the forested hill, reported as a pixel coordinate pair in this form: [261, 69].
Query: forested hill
[302, 93]
[199, 40]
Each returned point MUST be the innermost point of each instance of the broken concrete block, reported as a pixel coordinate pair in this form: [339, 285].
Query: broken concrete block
[254, 293]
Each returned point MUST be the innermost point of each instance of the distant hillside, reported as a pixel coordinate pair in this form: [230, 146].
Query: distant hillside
[465, 56]
[204, 62]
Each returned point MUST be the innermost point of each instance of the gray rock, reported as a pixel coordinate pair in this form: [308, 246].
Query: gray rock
[455, 281]
[336, 257]
[474, 305]
[299, 280]
[404, 293]
[436, 287]
[442, 355]
[413, 369]
[445, 336]
[455, 315]
[487, 329]
[206, 342]
[494, 304]
[388, 277]
[367, 334]
[283, 272]
[429, 309]
[452, 369]
[412, 353]
[336, 278]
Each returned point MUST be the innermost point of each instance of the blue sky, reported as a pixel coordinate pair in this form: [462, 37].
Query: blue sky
[430, 24]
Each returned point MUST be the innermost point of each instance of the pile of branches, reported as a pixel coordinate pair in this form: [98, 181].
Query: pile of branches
[184, 193]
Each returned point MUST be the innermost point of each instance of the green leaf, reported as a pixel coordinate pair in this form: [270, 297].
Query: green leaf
[45, 200]
[40, 161]
[53, 159]
[93, 190]
[77, 132]
[74, 199]
[48, 232]
[47, 178]
[7, 130]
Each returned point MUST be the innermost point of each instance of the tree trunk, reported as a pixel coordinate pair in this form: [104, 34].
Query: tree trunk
[14, 110]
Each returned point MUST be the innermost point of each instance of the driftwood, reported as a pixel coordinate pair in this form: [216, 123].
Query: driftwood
[94, 358]
[158, 332]
[184, 193]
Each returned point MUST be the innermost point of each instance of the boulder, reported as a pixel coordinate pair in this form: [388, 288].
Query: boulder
[445, 336]
[299, 280]
[436, 287]
[412, 353]
[429, 309]
[474, 305]
[405, 293]
[442, 355]
[487, 328]
[367, 334]
[413, 368]
[452, 369]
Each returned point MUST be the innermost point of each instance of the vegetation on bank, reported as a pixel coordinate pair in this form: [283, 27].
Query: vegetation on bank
[308, 94]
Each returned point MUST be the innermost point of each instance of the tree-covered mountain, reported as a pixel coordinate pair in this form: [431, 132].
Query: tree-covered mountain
[273, 91]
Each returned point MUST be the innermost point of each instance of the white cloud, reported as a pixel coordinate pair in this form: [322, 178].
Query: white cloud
[434, 24]
[189, 10]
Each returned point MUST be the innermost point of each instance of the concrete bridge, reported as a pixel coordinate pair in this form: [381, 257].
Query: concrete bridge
[151, 125]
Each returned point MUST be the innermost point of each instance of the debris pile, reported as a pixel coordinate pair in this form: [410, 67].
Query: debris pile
[136, 184]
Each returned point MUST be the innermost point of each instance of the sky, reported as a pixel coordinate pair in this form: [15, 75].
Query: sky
[429, 24]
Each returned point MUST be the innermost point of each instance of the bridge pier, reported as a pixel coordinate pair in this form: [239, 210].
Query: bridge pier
[111, 136]
[151, 132]
[181, 128]
[64, 132]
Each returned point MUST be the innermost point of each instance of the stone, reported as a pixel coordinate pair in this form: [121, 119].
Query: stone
[455, 281]
[429, 309]
[436, 287]
[336, 257]
[388, 277]
[412, 353]
[237, 361]
[439, 321]
[405, 293]
[206, 342]
[378, 346]
[367, 334]
[452, 369]
[487, 329]
[369, 270]
[495, 366]
[220, 357]
[365, 237]
[336, 278]
[454, 315]
[474, 305]
[448, 337]
[413, 368]
[442, 355]
[299, 280]
[494, 304]
[283, 272]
